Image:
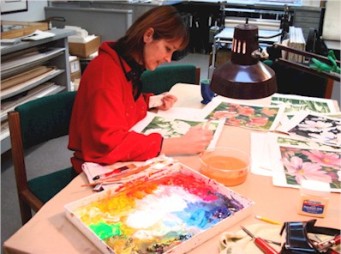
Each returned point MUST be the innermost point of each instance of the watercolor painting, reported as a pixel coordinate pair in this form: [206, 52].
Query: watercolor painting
[288, 141]
[311, 164]
[170, 128]
[318, 128]
[175, 127]
[172, 211]
[297, 103]
[263, 144]
[261, 118]
[336, 115]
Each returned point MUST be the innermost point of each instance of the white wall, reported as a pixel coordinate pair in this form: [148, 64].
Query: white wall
[34, 13]
[36, 10]
[332, 20]
[314, 3]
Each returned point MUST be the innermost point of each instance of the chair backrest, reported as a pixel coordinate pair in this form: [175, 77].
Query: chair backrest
[164, 77]
[45, 118]
[30, 124]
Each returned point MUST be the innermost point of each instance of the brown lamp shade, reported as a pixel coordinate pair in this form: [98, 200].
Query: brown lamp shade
[244, 77]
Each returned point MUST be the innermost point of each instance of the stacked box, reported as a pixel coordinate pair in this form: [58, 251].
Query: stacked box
[84, 49]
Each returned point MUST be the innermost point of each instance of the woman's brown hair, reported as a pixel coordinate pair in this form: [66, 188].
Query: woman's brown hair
[167, 24]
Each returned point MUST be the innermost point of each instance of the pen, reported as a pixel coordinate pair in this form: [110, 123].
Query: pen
[268, 220]
[114, 171]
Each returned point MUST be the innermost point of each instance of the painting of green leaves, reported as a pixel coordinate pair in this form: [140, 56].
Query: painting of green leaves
[302, 143]
[301, 103]
[311, 164]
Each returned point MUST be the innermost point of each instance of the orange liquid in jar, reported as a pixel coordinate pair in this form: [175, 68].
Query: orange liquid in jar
[227, 170]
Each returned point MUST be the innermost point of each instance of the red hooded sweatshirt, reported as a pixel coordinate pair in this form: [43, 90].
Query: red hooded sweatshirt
[104, 112]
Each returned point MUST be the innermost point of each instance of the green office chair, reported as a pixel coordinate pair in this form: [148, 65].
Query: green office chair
[31, 124]
[164, 77]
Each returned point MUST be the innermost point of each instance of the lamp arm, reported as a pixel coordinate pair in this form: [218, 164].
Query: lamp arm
[303, 53]
[305, 68]
[301, 67]
[269, 37]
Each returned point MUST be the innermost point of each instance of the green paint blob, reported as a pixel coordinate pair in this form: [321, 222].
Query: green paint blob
[104, 231]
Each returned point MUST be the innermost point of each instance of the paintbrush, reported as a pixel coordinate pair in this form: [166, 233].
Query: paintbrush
[114, 172]
[119, 179]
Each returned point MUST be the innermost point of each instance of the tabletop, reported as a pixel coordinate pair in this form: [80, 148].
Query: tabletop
[49, 231]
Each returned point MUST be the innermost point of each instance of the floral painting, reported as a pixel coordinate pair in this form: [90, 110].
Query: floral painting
[319, 165]
[265, 144]
[261, 118]
[317, 128]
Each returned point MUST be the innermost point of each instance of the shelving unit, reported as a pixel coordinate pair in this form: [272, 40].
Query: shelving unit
[21, 59]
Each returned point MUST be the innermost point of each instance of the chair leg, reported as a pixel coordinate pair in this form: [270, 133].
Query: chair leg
[25, 211]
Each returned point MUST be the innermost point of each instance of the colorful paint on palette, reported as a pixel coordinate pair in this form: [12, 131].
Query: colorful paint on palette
[157, 215]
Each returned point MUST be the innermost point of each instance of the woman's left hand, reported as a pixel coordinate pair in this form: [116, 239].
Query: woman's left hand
[168, 101]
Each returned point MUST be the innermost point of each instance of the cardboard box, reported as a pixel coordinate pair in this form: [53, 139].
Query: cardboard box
[15, 29]
[84, 50]
[75, 68]
[222, 56]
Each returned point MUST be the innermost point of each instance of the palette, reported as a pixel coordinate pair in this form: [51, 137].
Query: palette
[172, 209]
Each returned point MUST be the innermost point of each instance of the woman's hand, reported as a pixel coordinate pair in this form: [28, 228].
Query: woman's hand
[168, 101]
[194, 141]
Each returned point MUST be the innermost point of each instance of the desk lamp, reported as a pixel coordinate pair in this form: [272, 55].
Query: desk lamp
[244, 77]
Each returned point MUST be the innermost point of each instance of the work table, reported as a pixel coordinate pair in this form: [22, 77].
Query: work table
[60, 236]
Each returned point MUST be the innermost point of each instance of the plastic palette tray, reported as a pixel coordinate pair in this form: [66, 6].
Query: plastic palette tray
[172, 209]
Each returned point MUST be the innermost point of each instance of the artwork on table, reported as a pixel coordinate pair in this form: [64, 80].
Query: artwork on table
[297, 103]
[293, 164]
[170, 128]
[336, 115]
[256, 117]
[315, 127]
[263, 145]
[172, 209]
[284, 140]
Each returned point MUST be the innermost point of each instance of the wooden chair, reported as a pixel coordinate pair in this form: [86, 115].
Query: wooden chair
[31, 124]
[164, 77]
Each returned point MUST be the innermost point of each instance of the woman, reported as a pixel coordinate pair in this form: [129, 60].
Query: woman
[109, 99]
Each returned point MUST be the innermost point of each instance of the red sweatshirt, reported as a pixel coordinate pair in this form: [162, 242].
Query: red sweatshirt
[103, 113]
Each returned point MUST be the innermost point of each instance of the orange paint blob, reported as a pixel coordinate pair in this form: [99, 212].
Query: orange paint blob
[227, 170]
